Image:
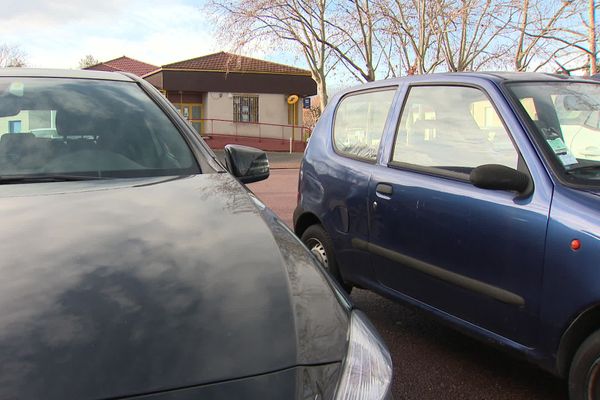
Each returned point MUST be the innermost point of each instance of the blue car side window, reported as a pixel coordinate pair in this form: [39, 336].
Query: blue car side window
[452, 128]
[359, 123]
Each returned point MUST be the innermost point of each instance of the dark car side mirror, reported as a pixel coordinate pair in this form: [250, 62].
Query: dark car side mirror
[499, 177]
[246, 163]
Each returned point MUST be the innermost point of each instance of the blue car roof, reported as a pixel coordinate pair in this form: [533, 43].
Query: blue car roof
[471, 77]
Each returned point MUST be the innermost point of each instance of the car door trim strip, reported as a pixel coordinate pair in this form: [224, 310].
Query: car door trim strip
[451, 277]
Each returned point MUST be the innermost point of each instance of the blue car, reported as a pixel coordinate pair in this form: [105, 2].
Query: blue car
[474, 196]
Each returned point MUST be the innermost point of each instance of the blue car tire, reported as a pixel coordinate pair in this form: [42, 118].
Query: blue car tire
[319, 243]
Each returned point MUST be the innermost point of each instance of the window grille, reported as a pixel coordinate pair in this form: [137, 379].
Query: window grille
[245, 108]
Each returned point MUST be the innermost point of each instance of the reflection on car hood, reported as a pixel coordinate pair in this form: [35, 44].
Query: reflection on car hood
[124, 287]
[594, 192]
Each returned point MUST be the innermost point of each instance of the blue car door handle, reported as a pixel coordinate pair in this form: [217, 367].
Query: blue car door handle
[384, 189]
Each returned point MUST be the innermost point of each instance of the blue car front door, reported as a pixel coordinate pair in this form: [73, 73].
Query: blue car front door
[473, 253]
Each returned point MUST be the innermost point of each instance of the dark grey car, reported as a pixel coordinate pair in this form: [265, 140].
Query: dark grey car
[134, 264]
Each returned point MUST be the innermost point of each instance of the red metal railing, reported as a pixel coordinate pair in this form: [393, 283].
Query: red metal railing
[260, 130]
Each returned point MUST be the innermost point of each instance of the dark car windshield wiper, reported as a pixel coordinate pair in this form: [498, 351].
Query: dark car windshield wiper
[7, 179]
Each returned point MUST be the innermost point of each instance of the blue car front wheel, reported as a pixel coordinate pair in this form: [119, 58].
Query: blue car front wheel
[320, 245]
[584, 374]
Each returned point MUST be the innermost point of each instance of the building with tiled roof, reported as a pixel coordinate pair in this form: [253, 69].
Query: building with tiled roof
[227, 72]
[125, 64]
[228, 97]
[104, 67]
[228, 62]
[231, 98]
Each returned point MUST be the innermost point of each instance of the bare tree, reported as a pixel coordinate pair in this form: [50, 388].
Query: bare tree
[538, 21]
[581, 37]
[591, 27]
[299, 23]
[11, 56]
[411, 26]
[310, 116]
[575, 40]
[468, 32]
[356, 40]
[88, 61]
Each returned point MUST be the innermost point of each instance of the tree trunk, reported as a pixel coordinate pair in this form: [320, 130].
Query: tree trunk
[520, 54]
[592, 36]
[322, 92]
[319, 78]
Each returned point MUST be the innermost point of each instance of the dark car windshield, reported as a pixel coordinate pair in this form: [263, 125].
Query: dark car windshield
[566, 117]
[76, 128]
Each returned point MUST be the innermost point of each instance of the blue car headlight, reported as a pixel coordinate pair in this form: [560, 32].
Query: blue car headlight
[367, 368]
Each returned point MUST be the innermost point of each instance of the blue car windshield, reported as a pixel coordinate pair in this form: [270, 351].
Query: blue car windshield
[566, 120]
[86, 128]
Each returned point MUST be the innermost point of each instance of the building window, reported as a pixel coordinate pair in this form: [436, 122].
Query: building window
[14, 126]
[245, 108]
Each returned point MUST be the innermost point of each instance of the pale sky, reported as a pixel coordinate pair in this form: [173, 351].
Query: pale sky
[58, 33]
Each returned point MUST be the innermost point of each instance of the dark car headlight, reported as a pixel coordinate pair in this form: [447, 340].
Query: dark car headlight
[367, 368]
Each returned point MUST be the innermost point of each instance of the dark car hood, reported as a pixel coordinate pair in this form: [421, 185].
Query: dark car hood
[114, 288]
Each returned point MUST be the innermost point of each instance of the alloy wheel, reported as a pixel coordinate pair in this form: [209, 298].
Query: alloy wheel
[317, 248]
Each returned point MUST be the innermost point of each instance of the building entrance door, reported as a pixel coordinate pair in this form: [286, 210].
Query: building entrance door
[193, 113]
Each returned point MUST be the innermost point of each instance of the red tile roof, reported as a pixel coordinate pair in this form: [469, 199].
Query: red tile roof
[227, 62]
[125, 64]
[102, 67]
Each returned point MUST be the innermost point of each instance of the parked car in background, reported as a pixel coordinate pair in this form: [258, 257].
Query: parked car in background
[134, 265]
[474, 196]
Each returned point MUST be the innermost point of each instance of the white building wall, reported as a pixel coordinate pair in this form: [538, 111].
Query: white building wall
[219, 106]
[272, 109]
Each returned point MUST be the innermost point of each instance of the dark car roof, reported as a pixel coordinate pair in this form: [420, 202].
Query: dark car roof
[64, 73]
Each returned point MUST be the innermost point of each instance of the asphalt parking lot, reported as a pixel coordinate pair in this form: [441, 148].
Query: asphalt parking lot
[431, 360]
